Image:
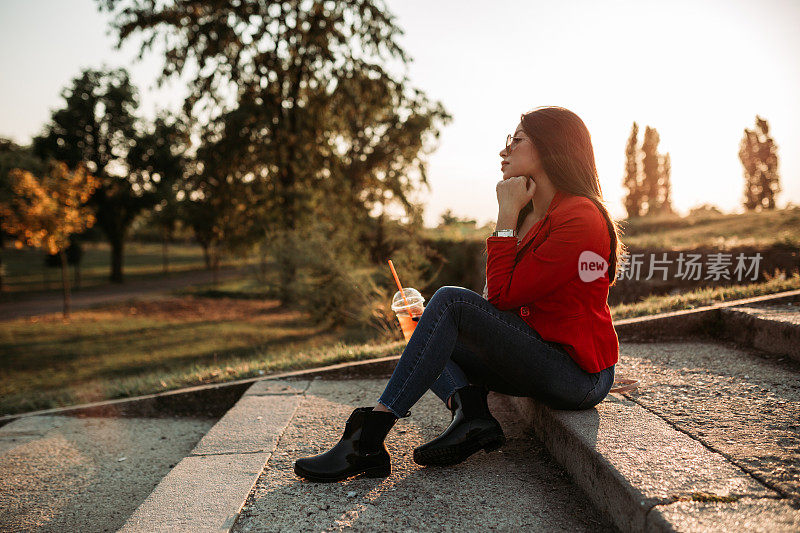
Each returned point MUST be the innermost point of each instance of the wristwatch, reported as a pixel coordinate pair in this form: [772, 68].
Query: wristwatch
[505, 233]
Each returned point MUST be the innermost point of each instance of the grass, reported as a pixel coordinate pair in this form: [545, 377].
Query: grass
[209, 335]
[779, 227]
[141, 347]
[705, 296]
[25, 270]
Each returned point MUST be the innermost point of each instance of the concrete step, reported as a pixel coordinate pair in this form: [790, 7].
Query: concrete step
[240, 476]
[703, 320]
[517, 488]
[207, 488]
[772, 327]
[650, 477]
[710, 441]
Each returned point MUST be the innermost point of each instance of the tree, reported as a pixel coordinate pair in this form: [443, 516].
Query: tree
[449, 219]
[98, 127]
[632, 181]
[14, 156]
[759, 156]
[46, 211]
[320, 115]
[223, 195]
[704, 210]
[650, 169]
[664, 202]
[160, 152]
[656, 187]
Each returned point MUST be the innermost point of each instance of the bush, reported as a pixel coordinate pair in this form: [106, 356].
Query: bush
[338, 285]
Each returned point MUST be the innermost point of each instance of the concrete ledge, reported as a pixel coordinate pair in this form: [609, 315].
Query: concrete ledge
[647, 475]
[252, 425]
[206, 490]
[211, 400]
[203, 493]
[702, 321]
[769, 330]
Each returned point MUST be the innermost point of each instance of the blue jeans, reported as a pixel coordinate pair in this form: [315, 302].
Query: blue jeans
[461, 338]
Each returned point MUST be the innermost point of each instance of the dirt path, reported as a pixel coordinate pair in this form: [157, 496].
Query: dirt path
[52, 302]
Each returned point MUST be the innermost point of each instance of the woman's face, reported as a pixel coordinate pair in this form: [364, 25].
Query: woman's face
[520, 157]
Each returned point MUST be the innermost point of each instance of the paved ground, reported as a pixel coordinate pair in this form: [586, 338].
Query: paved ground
[516, 488]
[739, 402]
[59, 473]
[52, 301]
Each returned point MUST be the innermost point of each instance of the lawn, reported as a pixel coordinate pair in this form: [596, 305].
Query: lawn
[25, 269]
[141, 347]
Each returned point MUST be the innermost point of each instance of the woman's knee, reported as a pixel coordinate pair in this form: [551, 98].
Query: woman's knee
[450, 291]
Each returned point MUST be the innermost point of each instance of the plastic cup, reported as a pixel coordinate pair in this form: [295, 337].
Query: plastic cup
[408, 315]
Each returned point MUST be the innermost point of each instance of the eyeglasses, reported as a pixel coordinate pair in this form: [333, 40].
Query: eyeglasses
[512, 142]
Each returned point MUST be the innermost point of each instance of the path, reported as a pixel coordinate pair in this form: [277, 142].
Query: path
[61, 473]
[53, 302]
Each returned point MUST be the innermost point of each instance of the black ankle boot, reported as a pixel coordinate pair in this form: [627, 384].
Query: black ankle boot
[360, 450]
[473, 427]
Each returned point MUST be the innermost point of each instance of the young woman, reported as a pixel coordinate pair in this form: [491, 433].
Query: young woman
[542, 329]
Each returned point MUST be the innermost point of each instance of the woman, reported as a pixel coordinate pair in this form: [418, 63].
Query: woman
[543, 328]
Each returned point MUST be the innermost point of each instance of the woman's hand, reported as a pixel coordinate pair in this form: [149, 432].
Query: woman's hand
[514, 193]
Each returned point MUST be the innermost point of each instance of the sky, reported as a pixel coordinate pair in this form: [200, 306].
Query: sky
[697, 71]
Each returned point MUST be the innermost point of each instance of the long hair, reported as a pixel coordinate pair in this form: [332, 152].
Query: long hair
[565, 150]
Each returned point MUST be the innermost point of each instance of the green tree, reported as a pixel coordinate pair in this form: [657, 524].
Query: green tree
[159, 154]
[650, 170]
[304, 92]
[223, 194]
[759, 156]
[656, 168]
[665, 186]
[98, 127]
[634, 199]
[449, 219]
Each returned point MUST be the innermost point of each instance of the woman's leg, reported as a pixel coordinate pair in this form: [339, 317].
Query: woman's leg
[451, 379]
[502, 341]
[464, 368]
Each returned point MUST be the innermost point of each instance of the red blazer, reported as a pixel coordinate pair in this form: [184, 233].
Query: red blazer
[546, 288]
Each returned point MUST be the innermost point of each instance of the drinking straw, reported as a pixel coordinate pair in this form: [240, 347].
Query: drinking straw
[400, 287]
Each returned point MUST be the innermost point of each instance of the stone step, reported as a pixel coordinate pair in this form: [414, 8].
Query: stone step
[206, 489]
[774, 328]
[240, 476]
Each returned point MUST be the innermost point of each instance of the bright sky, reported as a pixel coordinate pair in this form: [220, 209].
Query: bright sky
[697, 71]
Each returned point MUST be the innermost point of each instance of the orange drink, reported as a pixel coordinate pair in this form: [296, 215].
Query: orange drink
[407, 324]
[408, 305]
